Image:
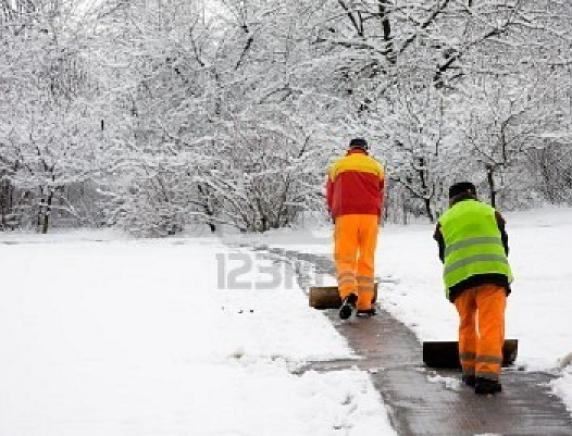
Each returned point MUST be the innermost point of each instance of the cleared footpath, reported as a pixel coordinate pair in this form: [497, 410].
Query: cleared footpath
[419, 400]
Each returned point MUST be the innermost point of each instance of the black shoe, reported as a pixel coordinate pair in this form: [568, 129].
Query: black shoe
[348, 306]
[366, 313]
[485, 386]
[469, 380]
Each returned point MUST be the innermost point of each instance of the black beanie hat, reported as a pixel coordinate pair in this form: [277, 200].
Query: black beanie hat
[460, 188]
[359, 143]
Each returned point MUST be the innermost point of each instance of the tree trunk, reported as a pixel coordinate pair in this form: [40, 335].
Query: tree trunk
[207, 208]
[386, 27]
[428, 210]
[426, 199]
[491, 183]
[40, 214]
[47, 213]
[4, 203]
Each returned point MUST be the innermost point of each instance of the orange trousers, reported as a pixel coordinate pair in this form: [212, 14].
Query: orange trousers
[355, 239]
[481, 330]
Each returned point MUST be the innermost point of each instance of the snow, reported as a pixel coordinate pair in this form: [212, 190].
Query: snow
[563, 387]
[450, 383]
[538, 310]
[106, 335]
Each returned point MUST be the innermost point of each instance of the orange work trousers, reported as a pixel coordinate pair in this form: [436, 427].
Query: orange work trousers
[355, 239]
[481, 330]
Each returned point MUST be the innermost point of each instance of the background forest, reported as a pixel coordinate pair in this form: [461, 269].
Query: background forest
[154, 114]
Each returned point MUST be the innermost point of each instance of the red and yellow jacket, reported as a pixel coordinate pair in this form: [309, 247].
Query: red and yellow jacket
[355, 185]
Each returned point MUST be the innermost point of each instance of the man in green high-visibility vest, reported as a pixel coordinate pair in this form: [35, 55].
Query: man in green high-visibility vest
[473, 246]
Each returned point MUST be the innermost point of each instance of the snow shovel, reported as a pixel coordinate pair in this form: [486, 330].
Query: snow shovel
[445, 354]
[327, 297]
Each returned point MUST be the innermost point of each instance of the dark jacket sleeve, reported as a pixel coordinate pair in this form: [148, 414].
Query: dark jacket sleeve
[501, 223]
[438, 236]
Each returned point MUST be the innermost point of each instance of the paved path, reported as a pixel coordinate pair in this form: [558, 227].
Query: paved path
[419, 401]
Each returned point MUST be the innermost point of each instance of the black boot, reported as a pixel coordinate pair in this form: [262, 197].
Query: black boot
[469, 380]
[366, 313]
[348, 306]
[485, 386]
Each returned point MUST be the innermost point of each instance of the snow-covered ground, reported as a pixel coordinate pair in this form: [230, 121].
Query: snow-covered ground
[125, 337]
[101, 334]
[539, 310]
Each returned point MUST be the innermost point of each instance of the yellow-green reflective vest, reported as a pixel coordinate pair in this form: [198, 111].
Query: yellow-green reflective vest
[473, 243]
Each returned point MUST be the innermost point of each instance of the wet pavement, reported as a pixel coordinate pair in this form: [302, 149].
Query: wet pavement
[424, 401]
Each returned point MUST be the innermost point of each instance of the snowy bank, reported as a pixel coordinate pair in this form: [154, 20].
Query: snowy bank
[139, 337]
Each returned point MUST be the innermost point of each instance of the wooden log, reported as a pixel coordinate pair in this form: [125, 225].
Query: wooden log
[327, 297]
[445, 354]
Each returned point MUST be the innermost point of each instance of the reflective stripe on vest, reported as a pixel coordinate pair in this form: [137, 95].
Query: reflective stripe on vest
[473, 243]
[479, 258]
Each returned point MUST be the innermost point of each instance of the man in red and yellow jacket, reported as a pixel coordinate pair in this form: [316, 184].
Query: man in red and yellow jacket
[355, 200]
